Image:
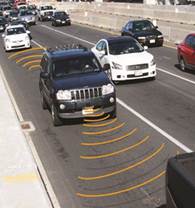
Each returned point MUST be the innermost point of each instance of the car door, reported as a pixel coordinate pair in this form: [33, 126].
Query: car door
[187, 51]
[101, 52]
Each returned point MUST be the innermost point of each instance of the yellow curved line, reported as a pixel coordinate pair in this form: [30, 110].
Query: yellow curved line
[122, 191]
[34, 66]
[31, 62]
[24, 51]
[109, 141]
[124, 169]
[91, 157]
[97, 120]
[100, 125]
[95, 115]
[104, 131]
[27, 57]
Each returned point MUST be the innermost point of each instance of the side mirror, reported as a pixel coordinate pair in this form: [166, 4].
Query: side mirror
[44, 75]
[145, 47]
[106, 67]
[28, 32]
[156, 27]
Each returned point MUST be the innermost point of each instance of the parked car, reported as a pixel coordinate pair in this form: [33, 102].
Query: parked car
[28, 16]
[73, 84]
[3, 24]
[60, 18]
[124, 59]
[16, 37]
[144, 32]
[186, 53]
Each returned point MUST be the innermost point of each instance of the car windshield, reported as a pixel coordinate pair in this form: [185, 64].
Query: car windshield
[13, 14]
[124, 47]
[78, 65]
[6, 8]
[26, 13]
[14, 31]
[60, 14]
[142, 26]
[47, 7]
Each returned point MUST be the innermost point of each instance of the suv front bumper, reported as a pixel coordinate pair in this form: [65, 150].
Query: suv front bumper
[74, 109]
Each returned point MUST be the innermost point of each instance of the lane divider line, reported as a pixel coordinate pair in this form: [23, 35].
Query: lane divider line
[122, 103]
[109, 141]
[104, 131]
[28, 57]
[25, 51]
[92, 157]
[124, 190]
[102, 124]
[97, 120]
[124, 169]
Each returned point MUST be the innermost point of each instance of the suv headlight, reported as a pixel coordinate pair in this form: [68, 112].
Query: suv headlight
[152, 63]
[63, 95]
[117, 66]
[107, 89]
[160, 36]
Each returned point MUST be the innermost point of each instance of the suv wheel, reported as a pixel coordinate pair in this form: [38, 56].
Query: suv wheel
[182, 64]
[56, 120]
[113, 114]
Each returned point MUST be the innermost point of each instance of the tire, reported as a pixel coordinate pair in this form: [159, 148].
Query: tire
[55, 118]
[182, 64]
[43, 103]
[113, 114]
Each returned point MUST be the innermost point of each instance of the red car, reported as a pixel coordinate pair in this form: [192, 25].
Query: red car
[186, 53]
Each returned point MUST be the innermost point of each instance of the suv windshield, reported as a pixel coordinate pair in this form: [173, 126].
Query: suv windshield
[60, 14]
[46, 7]
[25, 13]
[13, 31]
[142, 26]
[124, 47]
[62, 68]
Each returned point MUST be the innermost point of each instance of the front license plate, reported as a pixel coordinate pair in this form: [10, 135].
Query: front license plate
[152, 41]
[138, 73]
[88, 111]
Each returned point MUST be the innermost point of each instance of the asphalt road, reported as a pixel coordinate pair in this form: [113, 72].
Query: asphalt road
[125, 166]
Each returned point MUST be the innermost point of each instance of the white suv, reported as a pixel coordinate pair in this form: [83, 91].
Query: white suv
[124, 59]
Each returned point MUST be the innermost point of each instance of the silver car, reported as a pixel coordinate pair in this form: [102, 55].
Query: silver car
[28, 16]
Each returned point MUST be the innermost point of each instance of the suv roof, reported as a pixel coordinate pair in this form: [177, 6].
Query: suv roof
[68, 51]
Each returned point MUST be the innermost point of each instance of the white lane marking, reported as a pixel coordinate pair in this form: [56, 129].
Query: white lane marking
[36, 43]
[175, 75]
[162, 132]
[71, 36]
[169, 137]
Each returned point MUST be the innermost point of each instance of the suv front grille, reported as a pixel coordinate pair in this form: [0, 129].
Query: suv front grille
[86, 93]
[137, 67]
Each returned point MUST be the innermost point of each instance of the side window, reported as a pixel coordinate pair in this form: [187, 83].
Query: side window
[99, 46]
[104, 47]
[129, 26]
[188, 40]
[192, 42]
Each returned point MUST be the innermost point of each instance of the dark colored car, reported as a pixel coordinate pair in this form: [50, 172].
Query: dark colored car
[13, 15]
[186, 53]
[74, 85]
[144, 31]
[3, 23]
[60, 18]
[20, 22]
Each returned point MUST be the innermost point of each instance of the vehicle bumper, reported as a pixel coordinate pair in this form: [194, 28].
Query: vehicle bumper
[74, 109]
[63, 23]
[122, 75]
[14, 46]
[151, 41]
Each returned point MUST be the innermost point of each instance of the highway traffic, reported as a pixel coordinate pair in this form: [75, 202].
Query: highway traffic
[101, 162]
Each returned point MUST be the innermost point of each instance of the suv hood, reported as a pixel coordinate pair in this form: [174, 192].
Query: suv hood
[17, 37]
[132, 58]
[78, 81]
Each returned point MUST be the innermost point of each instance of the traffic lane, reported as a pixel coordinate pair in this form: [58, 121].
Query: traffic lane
[173, 97]
[62, 159]
[165, 57]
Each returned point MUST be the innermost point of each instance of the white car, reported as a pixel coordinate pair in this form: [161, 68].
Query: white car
[44, 12]
[124, 59]
[16, 37]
